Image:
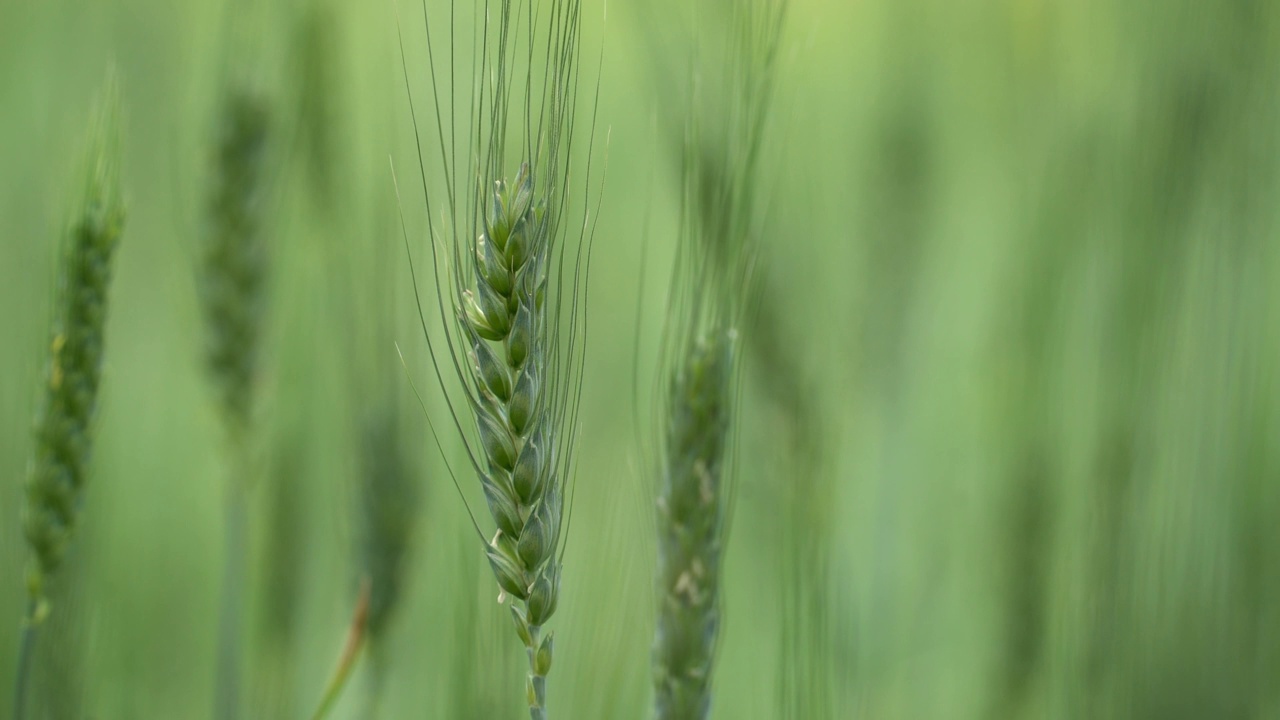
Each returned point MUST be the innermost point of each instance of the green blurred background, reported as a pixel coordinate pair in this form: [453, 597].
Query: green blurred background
[1010, 435]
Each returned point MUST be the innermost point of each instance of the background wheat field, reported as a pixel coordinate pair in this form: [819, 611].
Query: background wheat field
[1009, 438]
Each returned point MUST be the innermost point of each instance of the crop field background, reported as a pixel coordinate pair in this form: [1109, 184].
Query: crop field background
[1008, 438]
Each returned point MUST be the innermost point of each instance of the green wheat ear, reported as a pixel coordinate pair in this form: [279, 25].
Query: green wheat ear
[65, 421]
[720, 148]
[232, 280]
[234, 263]
[506, 322]
[691, 511]
[64, 426]
[515, 318]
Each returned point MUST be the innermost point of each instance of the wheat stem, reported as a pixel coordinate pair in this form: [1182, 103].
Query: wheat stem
[232, 284]
[231, 612]
[537, 689]
[26, 657]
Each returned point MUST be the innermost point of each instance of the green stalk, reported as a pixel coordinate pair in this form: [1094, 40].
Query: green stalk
[537, 689]
[26, 655]
[231, 612]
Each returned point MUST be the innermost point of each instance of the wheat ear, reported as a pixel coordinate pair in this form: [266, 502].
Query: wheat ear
[505, 321]
[691, 512]
[514, 316]
[232, 283]
[720, 152]
[64, 427]
[233, 273]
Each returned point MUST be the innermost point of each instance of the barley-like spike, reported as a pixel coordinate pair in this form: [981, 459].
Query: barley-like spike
[691, 517]
[65, 421]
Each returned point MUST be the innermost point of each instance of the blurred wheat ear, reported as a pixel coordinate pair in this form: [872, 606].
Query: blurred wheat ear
[719, 145]
[64, 426]
[281, 575]
[234, 260]
[232, 280]
[692, 503]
